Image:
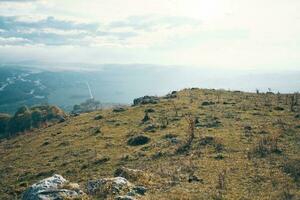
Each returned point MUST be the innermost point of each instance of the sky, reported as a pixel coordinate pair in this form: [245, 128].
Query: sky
[225, 34]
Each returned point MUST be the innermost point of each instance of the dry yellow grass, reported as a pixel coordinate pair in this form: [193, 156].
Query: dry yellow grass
[222, 154]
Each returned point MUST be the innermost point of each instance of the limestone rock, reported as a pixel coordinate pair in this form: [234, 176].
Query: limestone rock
[53, 188]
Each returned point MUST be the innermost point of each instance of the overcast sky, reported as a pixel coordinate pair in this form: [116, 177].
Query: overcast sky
[237, 34]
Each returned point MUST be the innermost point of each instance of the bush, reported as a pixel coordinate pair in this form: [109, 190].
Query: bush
[138, 140]
[292, 167]
[266, 146]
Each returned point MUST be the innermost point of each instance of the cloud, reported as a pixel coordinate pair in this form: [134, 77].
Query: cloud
[13, 41]
[128, 32]
[149, 23]
[17, 1]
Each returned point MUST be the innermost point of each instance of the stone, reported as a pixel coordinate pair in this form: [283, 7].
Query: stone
[207, 103]
[141, 190]
[126, 197]
[194, 178]
[150, 128]
[114, 188]
[98, 117]
[53, 188]
[119, 109]
[109, 186]
[132, 174]
[149, 110]
[145, 100]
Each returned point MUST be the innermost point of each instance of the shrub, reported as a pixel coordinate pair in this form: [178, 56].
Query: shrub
[138, 140]
[267, 145]
[292, 167]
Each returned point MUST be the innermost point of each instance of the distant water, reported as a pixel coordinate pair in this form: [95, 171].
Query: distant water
[119, 84]
[123, 84]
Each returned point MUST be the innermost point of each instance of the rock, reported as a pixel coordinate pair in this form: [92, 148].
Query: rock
[207, 140]
[247, 128]
[98, 117]
[101, 160]
[109, 186]
[207, 103]
[171, 138]
[117, 188]
[95, 130]
[119, 109]
[278, 108]
[132, 174]
[141, 190]
[146, 100]
[88, 106]
[170, 96]
[138, 140]
[126, 197]
[194, 178]
[150, 128]
[210, 122]
[53, 188]
[149, 110]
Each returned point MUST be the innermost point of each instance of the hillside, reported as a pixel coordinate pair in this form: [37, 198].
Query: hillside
[244, 146]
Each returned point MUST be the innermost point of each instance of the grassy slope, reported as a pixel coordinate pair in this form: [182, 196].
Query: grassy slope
[72, 149]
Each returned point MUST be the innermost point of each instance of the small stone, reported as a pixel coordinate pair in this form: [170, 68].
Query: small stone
[194, 178]
[120, 109]
[98, 117]
[140, 190]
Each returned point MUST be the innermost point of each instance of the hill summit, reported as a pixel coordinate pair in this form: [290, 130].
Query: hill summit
[190, 144]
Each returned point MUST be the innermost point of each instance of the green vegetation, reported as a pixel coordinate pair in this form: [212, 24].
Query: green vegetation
[236, 146]
[26, 119]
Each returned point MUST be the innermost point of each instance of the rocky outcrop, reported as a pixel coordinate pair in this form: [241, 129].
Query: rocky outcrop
[114, 188]
[146, 100]
[88, 106]
[53, 188]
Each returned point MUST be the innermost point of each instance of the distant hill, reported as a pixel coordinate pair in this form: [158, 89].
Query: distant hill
[119, 84]
[190, 144]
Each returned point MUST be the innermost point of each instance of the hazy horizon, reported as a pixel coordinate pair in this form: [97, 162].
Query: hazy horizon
[219, 34]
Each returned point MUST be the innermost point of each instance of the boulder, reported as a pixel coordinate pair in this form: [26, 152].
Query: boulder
[53, 188]
[133, 175]
[114, 188]
[146, 100]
